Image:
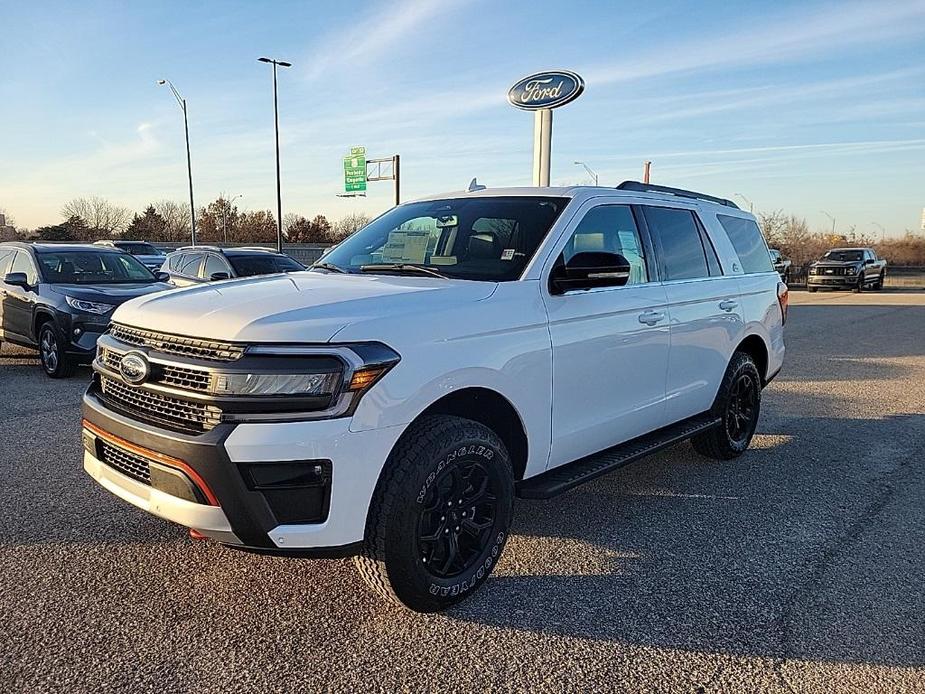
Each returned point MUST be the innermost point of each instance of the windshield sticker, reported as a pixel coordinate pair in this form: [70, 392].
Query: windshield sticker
[507, 254]
[405, 247]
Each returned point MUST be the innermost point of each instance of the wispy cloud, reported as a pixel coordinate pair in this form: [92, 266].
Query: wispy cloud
[794, 36]
[374, 35]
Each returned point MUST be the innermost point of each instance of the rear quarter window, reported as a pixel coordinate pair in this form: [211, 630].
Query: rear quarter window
[748, 242]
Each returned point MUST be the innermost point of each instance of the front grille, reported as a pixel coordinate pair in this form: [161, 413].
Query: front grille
[175, 344]
[181, 377]
[172, 413]
[830, 271]
[131, 464]
[177, 376]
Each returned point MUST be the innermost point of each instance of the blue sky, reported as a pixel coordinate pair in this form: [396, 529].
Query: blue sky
[796, 105]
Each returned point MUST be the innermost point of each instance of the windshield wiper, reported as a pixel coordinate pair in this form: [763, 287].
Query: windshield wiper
[328, 266]
[402, 268]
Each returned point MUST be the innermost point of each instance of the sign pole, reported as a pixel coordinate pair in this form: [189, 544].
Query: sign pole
[542, 146]
[396, 172]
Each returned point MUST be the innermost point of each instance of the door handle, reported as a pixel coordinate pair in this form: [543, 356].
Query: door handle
[728, 305]
[651, 317]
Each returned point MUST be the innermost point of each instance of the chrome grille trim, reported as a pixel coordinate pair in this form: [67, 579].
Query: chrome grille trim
[212, 350]
[175, 375]
[171, 413]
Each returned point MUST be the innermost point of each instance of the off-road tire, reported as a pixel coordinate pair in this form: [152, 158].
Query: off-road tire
[859, 287]
[55, 363]
[435, 449]
[719, 443]
[878, 285]
[812, 290]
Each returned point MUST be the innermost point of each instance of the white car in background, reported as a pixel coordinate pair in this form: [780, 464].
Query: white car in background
[459, 351]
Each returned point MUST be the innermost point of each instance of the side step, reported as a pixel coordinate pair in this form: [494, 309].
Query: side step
[565, 477]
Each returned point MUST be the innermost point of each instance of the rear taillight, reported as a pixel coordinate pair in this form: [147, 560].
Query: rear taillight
[783, 298]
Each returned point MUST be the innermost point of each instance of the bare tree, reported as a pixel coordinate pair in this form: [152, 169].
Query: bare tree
[343, 228]
[176, 220]
[102, 217]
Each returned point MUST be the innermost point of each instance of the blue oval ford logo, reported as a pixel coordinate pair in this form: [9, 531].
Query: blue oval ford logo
[546, 90]
[134, 367]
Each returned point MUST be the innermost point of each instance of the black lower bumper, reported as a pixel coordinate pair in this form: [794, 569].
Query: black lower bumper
[255, 497]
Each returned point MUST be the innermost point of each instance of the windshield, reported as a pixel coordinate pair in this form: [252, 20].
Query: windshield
[845, 256]
[139, 248]
[489, 239]
[263, 264]
[92, 267]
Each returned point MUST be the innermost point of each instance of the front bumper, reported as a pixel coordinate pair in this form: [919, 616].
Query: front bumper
[268, 494]
[832, 280]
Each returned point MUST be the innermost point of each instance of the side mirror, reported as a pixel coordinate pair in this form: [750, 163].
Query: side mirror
[215, 276]
[17, 279]
[162, 276]
[869, 261]
[588, 270]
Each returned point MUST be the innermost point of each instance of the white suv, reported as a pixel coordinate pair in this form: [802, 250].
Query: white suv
[459, 351]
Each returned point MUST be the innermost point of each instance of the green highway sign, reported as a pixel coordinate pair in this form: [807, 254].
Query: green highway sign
[355, 170]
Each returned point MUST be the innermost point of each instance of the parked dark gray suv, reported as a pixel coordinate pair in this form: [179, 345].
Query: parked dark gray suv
[58, 298]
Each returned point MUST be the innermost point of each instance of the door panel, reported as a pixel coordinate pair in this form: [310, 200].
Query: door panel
[18, 302]
[608, 367]
[706, 323]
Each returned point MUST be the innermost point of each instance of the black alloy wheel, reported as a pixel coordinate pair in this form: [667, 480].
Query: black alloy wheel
[741, 408]
[456, 519]
[55, 362]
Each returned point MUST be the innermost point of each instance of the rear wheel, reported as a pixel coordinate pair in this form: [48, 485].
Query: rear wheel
[440, 515]
[738, 404]
[55, 362]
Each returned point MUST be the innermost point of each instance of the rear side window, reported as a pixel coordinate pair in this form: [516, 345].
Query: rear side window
[174, 263]
[678, 238]
[250, 265]
[6, 257]
[190, 264]
[749, 244]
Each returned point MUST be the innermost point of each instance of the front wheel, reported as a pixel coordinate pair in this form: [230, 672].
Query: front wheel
[878, 285]
[859, 287]
[440, 515]
[738, 404]
[55, 362]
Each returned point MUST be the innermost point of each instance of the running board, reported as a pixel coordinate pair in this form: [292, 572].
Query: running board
[565, 477]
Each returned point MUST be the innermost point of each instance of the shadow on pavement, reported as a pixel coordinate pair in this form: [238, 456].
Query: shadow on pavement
[684, 552]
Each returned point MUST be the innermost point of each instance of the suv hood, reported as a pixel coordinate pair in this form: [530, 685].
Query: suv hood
[296, 307]
[150, 259]
[109, 293]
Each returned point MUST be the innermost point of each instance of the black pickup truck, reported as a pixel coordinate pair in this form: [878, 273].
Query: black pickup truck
[847, 268]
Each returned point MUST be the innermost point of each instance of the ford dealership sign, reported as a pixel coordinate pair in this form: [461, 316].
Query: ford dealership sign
[544, 90]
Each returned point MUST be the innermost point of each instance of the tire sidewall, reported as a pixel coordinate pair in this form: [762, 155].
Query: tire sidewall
[412, 582]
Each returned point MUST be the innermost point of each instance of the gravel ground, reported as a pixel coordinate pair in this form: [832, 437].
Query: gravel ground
[797, 568]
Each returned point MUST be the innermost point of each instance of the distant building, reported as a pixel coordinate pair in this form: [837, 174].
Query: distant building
[7, 233]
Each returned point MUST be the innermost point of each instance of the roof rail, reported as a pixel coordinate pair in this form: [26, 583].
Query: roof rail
[198, 247]
[252, 248]
[680, 192]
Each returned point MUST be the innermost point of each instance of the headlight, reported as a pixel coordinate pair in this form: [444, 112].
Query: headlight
[88, 306]
[276, 384]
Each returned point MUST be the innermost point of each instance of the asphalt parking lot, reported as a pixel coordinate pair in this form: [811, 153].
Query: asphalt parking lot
[797, 568]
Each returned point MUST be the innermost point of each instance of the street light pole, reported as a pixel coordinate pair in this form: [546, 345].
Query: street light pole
[225, 206]
[279, 197]
[589, 170]
[189, 163]
[830, 217]
[751, 207]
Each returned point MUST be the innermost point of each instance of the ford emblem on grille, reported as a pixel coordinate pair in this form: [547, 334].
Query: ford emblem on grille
[134, 368]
